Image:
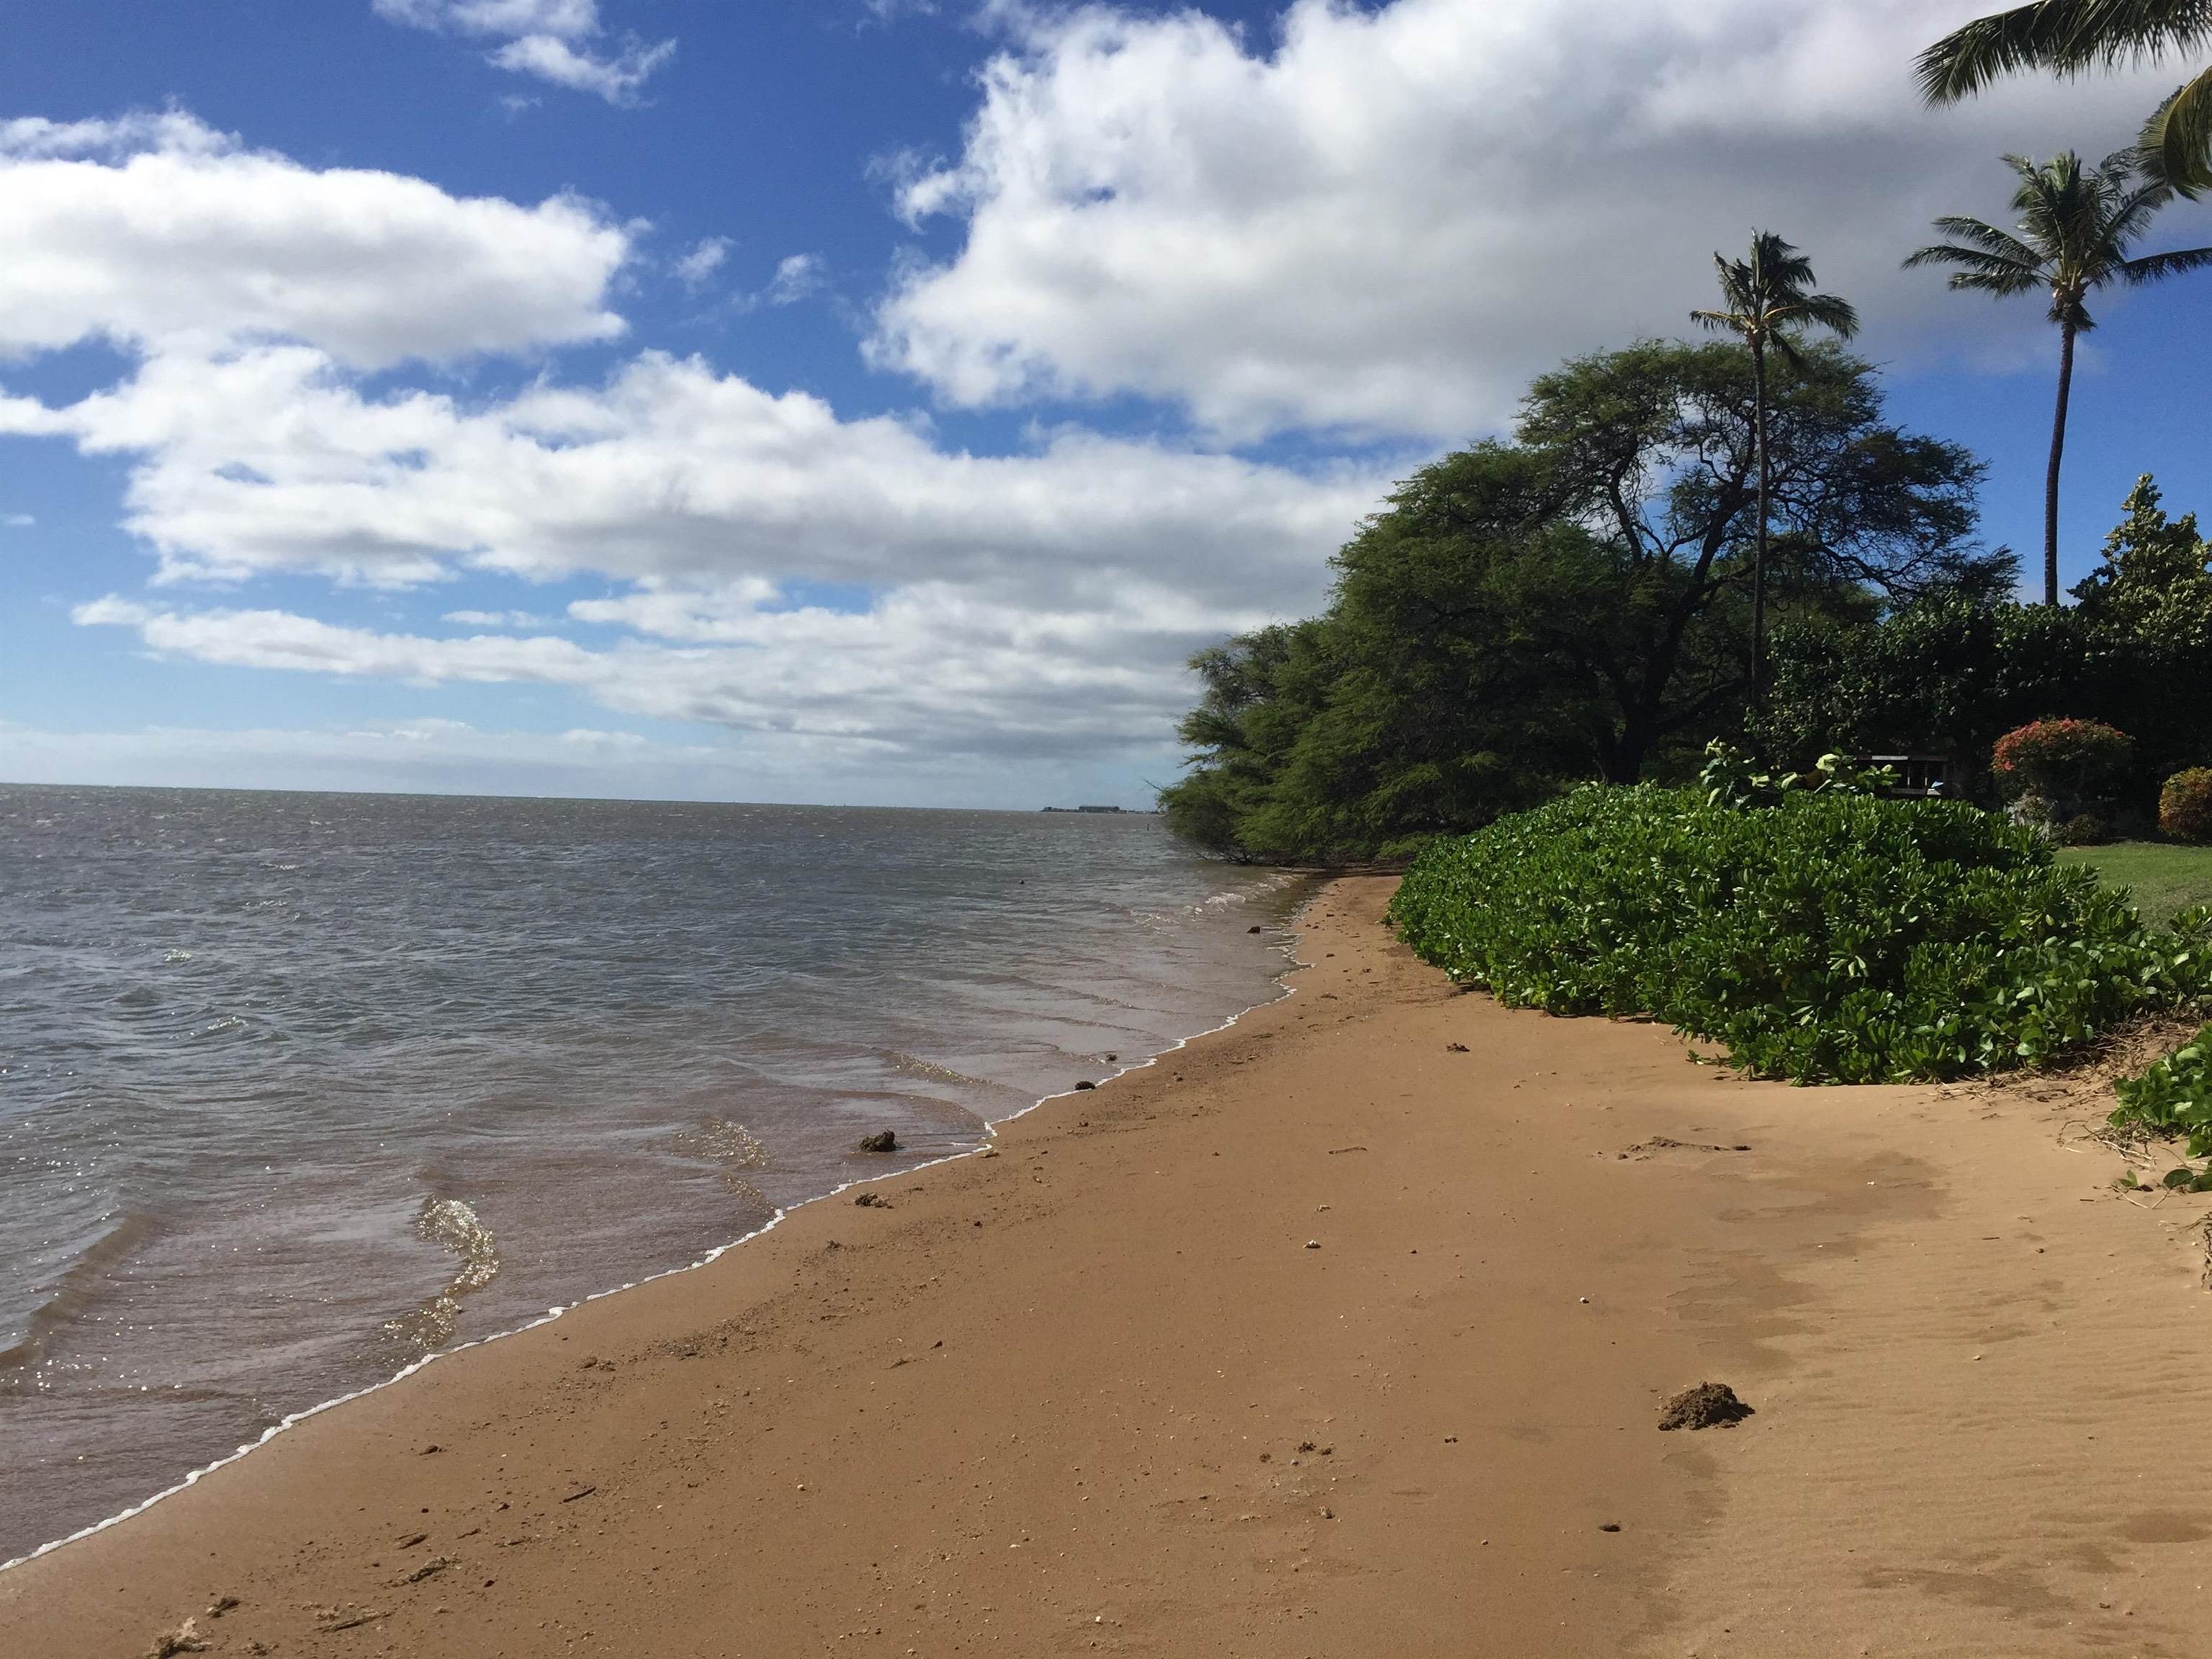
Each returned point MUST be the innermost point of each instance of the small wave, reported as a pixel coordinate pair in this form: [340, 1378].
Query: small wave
[78, 1285]
[452, 1224]
[178, 956]
[723, 1141]
[907, 1064]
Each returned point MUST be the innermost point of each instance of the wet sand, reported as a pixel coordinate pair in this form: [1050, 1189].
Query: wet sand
[1321, 1337]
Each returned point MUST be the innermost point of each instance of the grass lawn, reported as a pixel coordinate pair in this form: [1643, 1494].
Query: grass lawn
[2165, 878]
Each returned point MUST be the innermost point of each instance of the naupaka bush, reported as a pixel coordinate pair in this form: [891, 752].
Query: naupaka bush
[1825, 937]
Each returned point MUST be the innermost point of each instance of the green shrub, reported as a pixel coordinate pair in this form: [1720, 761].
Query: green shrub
[2085, 829]
[2173, 1096]
[1825, 937]
[2184, 804]
[2063, 758]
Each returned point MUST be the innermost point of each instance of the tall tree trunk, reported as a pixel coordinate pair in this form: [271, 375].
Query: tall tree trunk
[1758, 555]
[2051, 478]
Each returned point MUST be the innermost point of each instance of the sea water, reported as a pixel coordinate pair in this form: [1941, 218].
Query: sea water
[295, 1089]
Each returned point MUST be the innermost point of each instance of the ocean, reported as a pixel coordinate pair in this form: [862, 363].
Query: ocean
[296, 1089]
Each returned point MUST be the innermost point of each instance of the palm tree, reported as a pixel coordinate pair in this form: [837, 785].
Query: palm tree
[2075, 228]
[2068, 36]
[1769, 298]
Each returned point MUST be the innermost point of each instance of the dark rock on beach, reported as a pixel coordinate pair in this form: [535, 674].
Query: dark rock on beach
[882, 1142]
[1708, 1406]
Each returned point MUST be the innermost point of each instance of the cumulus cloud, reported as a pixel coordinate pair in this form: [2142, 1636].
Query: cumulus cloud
[159, 233]
[1039, 605]
[932, 669]
[273, 460]
[1386, 218]
[555, 40]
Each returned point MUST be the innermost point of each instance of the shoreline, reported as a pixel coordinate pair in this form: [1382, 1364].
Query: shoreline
[990, 1131]
[1341, 1333]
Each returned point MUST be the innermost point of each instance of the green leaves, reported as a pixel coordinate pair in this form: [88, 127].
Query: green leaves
[1825, 937]
[2173, 1096]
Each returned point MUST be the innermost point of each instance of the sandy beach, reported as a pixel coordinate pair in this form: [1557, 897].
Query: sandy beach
[1341, 1332]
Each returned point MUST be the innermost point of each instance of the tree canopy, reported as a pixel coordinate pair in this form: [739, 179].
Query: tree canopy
[1573, 603]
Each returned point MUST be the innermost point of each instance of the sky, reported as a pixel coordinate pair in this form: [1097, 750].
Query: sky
[878, 401]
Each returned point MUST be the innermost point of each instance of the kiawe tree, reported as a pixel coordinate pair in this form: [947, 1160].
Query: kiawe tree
[1572, 603]
[1767, 300]
[2067, 37]
[2075, 228]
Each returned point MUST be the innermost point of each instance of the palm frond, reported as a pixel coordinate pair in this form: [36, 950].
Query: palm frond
[1827, 311]
[2177, 141]
[2131, 212]
[1988, 238]
[1721, 322]
[1974, 259]
[2152, 266]
[2064, 36]
[1990, 48]
[1986, 273]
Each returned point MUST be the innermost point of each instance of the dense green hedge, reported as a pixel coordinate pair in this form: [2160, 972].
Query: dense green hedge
[1829, 938]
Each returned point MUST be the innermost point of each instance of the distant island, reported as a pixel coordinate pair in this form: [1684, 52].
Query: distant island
[1132, 810]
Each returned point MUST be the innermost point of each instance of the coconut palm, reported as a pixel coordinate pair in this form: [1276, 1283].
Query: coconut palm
[2068, 36]
[1768, 299]
[2075, 229]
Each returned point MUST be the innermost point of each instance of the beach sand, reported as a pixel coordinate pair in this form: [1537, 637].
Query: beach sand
[1322, 1336]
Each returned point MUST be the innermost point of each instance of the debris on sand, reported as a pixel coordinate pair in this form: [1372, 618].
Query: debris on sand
[335, 1620]
[1086, 1083]
[185, 1638]
[872, 1201]
[882, 1141]
[1664, 1143]
[1708, 1406]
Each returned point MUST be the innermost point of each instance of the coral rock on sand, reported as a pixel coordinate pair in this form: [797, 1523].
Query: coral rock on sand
[1710, 1405]
[185, 1638]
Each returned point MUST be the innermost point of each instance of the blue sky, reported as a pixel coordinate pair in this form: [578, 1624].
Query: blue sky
[861, 402]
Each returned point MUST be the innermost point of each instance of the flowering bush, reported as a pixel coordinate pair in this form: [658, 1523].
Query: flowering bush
[2185, 805]
[2070, 760]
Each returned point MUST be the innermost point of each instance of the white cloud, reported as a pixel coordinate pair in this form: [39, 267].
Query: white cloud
[449, 757]
[183, 240]
[32, 136]
[18, 520]
[273, 460]
[795, 278]
[1392, 218]
[800, 277]
[934, 669]
[696, 268]
[555, 40]
[1039, 604]
[495, 619]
